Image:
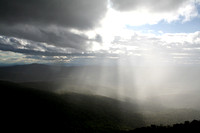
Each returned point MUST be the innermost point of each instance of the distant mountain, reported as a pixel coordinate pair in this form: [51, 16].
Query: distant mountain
[31, 72]
[41, 72]
[82, 79]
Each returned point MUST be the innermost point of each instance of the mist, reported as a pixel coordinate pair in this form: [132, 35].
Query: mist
[168, 86]
[127, 96]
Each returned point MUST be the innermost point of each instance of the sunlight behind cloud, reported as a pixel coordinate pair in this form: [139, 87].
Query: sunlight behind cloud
[119, 39]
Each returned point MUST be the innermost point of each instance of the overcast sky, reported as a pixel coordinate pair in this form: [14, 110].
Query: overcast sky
[89, 31]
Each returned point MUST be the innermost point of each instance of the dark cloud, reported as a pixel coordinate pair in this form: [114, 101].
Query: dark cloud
[80, 14]
[57, 36]
[32, 48]
[151, 5]
[30, 51]
[51, 21]
[42, 49]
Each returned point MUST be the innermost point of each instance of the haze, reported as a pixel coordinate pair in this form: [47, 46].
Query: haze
[146, 52]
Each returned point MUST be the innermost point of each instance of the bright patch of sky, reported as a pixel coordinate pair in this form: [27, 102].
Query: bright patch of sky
[178, 26]
[173, 27]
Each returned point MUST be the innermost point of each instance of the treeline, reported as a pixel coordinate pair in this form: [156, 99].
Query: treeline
[183, 127]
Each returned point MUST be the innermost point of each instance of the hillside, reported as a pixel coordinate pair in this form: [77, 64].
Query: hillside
[35, 110]
[32, 109]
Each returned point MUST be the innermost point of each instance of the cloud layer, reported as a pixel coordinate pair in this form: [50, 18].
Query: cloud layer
[77, 13]
[150, 5]
[138, 48]
[51, 21]
[96, 28]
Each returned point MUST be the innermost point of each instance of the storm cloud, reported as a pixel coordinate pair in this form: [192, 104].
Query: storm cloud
[54, 35]
[69, 13]
[50, 21]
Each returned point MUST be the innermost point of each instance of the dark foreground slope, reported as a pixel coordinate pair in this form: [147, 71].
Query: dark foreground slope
[26, 110]
[30, 110]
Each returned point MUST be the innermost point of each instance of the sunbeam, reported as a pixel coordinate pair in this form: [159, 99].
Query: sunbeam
[99, 65]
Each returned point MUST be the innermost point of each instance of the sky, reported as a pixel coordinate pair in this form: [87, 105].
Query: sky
[91, 32]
